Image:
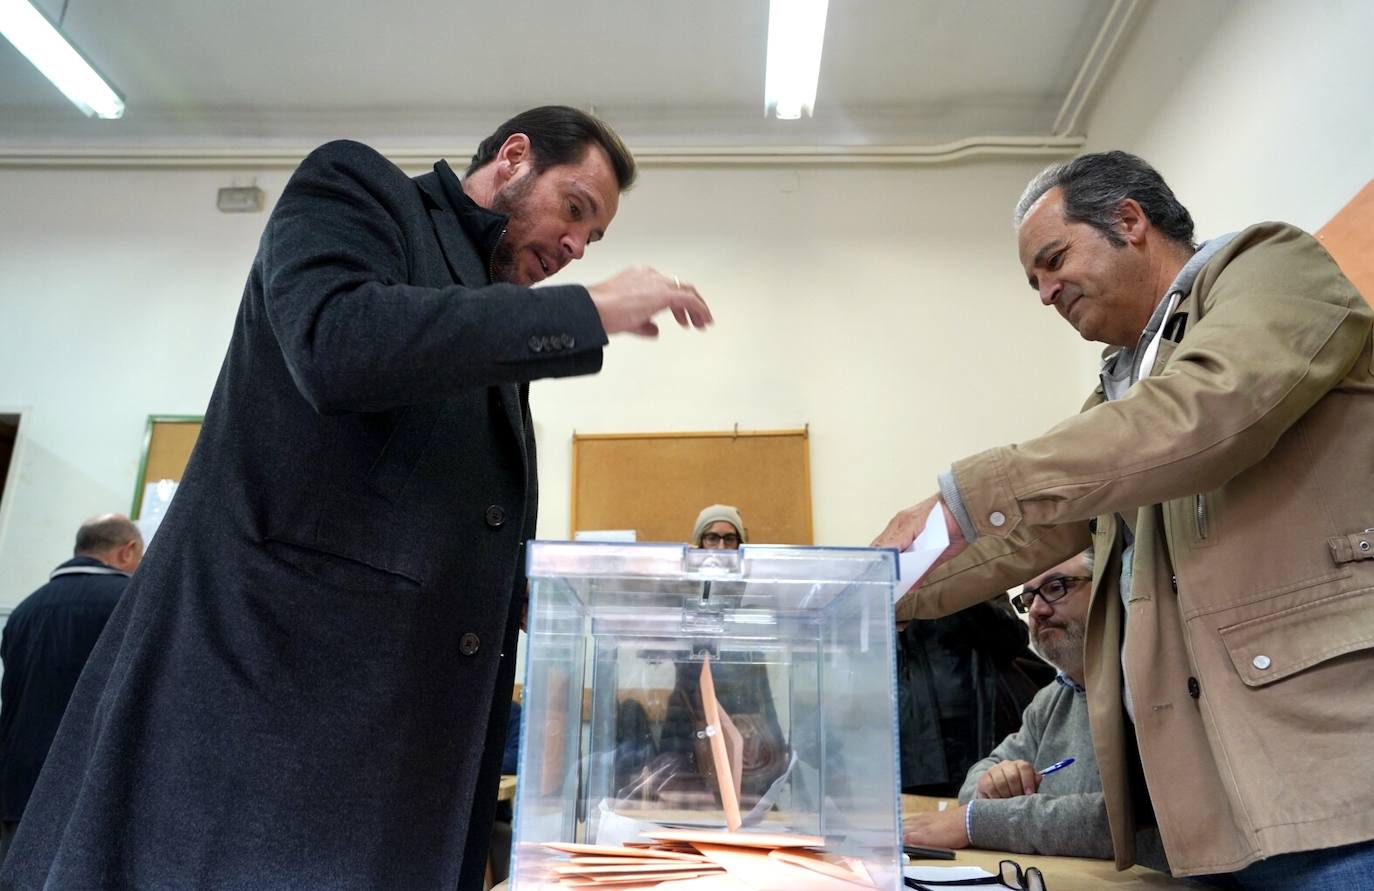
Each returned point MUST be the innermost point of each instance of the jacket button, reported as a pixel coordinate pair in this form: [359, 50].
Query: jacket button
[469, 644]
[1261, 662]
[997, 518]
[496, 516]
[1194, 688]
[536, 343]
[1173, 583]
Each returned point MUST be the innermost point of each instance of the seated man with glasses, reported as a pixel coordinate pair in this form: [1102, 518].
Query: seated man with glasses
[1007, 803]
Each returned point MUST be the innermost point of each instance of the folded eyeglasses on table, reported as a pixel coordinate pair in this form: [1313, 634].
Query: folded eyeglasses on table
[1009, 875]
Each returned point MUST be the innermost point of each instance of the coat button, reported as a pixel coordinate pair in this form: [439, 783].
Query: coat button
[496, 516]
[997, 518]
[536, 343]
[1194, 688]
[1173, 583]
[1261, 662]
[469, 644]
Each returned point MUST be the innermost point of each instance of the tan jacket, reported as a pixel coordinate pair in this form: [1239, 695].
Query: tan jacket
[1250, 633]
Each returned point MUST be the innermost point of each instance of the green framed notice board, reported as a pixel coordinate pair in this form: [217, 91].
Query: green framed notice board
[167, 444]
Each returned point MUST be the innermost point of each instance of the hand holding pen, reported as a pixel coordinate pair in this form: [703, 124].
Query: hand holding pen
[1008, 779]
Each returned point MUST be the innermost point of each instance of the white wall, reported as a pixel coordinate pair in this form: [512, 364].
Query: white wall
[1273, 119]
[883, 306]
[117, 292]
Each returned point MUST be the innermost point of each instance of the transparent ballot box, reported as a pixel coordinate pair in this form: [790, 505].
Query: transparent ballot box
[702, 719]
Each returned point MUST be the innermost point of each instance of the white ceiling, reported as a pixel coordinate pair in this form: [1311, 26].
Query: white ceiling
[679, 73]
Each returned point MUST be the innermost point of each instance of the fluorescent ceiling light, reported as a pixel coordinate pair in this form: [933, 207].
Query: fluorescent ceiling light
[796, 30]
[51, 53]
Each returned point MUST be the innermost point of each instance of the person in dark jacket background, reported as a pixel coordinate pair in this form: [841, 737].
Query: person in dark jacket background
[46, 643]
[307, 685]
[962, 682]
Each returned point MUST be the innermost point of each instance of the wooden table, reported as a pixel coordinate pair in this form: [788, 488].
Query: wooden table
[1061, 873]
[1066, 873]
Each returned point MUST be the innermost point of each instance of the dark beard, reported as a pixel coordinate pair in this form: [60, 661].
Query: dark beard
[502, 262]
[509, 201]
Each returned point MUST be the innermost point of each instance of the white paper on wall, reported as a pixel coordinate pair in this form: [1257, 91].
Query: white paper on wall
[157, 497]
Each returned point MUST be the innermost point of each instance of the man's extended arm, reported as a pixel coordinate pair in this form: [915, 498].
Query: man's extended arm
[1279, 330]
[358, 336]
[1280, 327]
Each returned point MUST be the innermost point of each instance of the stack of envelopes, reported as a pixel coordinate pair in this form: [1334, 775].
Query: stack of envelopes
[706, 860]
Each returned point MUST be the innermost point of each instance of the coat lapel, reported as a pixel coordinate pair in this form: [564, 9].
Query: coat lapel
[463, 259]
[468, 269]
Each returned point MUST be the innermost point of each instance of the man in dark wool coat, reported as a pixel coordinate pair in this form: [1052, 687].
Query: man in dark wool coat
[306, 684]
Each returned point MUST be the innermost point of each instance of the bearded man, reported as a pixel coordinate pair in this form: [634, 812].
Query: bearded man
[1006, 802]
[308, 682]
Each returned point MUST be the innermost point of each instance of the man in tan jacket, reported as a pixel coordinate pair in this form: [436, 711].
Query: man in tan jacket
[1223, 470]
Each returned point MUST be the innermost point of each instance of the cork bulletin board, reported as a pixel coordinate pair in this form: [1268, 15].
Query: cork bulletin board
[655, 483]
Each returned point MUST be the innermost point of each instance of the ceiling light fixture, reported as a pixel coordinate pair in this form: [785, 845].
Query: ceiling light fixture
[59, 60]
[796, 31]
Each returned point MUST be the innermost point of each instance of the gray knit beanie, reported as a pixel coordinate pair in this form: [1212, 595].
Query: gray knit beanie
[716, 512]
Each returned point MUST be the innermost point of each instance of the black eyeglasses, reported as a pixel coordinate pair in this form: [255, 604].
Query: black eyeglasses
[1009, 875]
[1050, 591]
[713, 539]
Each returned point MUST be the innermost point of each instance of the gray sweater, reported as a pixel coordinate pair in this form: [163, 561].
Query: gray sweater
[1067, 815]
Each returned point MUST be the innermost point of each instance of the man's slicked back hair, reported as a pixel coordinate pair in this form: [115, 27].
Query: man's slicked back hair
[560, 135]
[1094, 187]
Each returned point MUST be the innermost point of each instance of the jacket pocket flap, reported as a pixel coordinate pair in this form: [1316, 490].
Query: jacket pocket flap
[1276, 646]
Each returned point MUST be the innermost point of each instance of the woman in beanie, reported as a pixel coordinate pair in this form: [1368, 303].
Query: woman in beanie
[719, 526]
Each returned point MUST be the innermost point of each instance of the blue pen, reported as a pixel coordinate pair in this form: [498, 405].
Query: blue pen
[1058, 765]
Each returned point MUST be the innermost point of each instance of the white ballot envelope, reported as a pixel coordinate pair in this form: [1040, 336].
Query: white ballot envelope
[928, 546]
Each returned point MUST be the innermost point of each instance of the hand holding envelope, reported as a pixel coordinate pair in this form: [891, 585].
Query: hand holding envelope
[925, 536]
[915, 562]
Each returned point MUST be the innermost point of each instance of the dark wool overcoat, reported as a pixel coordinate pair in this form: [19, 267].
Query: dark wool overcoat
[46, 642]
[307, 682]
